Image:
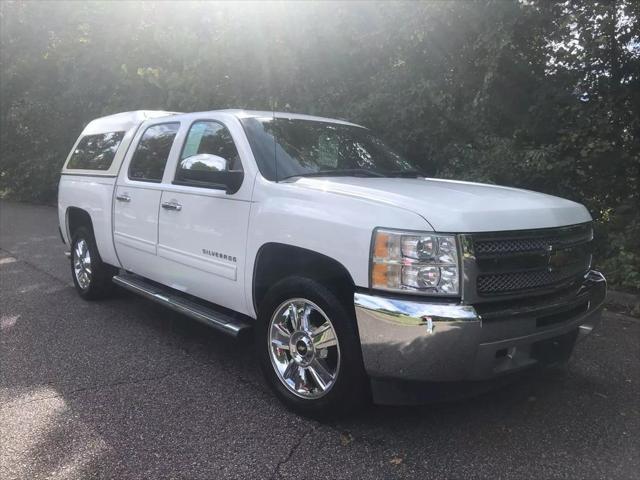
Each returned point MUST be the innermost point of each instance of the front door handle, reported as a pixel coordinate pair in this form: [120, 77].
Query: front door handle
[173, 205]
[123, 197]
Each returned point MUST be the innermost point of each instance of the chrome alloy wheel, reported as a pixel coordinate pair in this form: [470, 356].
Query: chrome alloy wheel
[304, 348]
[82, 264]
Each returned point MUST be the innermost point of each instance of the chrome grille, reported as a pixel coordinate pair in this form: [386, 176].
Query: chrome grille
[525, 262]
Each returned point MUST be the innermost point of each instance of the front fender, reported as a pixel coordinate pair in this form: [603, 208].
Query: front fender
[337, 226]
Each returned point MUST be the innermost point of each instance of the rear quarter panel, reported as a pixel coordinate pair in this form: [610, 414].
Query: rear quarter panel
[94, 194]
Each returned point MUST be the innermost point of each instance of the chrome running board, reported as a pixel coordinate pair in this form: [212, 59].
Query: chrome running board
[207, 314]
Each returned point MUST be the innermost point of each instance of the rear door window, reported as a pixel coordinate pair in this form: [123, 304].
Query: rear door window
[152, 152]
[95, 152]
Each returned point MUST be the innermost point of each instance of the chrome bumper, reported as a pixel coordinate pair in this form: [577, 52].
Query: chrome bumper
[444, 342]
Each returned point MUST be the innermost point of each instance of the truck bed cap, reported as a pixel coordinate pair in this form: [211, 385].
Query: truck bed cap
[121, 122]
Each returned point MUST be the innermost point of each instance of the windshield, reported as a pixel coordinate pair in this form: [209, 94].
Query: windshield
[313, 148]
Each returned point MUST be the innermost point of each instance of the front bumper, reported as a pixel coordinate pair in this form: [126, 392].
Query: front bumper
[443, 342]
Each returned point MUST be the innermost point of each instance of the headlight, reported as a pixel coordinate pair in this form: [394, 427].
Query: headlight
[413, 262]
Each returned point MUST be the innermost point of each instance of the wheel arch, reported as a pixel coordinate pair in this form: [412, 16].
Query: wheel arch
[276, 261]
[77, 217]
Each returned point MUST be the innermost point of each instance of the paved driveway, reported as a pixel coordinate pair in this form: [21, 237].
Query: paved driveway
[126, 389]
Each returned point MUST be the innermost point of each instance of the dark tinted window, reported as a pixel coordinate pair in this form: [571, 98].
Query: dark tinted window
[152, 152]
[95, 152]
[212, 138]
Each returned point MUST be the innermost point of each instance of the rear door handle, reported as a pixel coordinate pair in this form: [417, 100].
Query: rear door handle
[172, 206]
[123, 197]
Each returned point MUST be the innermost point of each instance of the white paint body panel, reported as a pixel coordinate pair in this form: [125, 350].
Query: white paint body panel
[333, 216]
[202, 247]
[135, 231]
[337, 226]
[458, 207]
[95, 196]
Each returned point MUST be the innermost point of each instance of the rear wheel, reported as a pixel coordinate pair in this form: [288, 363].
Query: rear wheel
[91, 276]
[309, 350]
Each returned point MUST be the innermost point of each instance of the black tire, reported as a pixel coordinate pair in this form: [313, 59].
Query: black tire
[100, 285]
[351, 387]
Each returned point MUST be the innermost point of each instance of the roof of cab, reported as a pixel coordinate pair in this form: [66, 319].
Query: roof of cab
[122, 121]
[298, 116]
[125, 120]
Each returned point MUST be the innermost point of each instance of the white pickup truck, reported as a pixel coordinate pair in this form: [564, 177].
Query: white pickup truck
[359, 277]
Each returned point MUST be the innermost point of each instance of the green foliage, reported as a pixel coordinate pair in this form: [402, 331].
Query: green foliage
[535, 94]
[621, 252]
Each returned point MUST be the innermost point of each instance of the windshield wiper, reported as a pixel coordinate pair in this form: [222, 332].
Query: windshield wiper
[345, 172]
[405, 173]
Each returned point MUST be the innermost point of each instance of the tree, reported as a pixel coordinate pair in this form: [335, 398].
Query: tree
[531, 93]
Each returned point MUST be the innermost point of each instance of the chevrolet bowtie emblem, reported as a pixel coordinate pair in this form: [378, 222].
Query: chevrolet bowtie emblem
[558, 258]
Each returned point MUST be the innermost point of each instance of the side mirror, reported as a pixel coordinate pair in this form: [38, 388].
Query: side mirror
[208, 171]
[205, 162]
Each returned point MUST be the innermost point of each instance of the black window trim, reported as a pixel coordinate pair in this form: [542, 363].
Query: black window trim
[196, 184]
[176, 122]
[82, 137]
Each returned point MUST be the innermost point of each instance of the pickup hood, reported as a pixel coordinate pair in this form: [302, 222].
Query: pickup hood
[456, 207]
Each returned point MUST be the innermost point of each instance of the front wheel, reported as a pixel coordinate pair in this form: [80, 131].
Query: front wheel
[309, 349]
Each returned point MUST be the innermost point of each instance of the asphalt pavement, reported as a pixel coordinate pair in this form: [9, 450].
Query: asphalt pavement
[126, 389]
